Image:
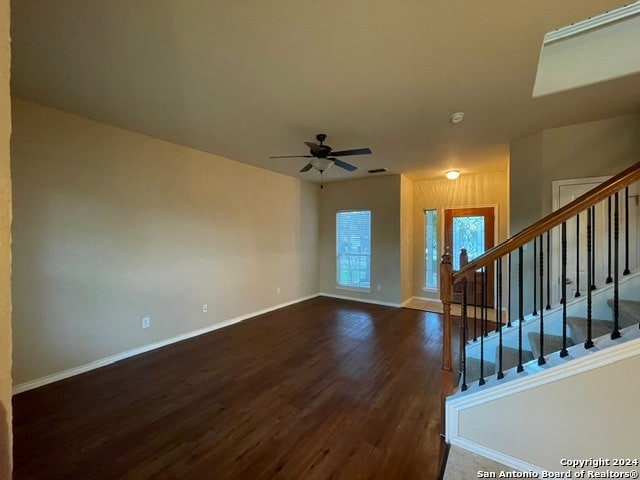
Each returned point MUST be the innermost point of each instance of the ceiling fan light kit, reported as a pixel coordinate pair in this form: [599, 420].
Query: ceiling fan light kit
[323, 157]
[321, 164]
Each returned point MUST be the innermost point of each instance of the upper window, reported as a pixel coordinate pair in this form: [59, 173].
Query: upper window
[431, 248]
[353, 249]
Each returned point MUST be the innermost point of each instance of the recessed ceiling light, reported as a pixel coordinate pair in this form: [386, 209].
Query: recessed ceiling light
[452, 174]
[456, 117]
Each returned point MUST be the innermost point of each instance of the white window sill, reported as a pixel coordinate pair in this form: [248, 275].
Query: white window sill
[432, 290]
[353, 289]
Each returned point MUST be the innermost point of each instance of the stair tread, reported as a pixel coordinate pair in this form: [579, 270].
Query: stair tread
[552, 343]
[510, 357]
[628, 312]
[473, 369]
[578, 328]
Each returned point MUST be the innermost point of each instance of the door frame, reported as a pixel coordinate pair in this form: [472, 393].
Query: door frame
[470, 210]
[556, 186]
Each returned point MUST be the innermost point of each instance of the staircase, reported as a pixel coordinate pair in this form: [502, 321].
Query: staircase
[572, 330]
[577, 334]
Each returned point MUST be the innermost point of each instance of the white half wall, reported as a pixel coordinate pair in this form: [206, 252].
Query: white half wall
[585, 409]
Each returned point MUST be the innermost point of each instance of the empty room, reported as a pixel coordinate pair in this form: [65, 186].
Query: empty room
[312, 240]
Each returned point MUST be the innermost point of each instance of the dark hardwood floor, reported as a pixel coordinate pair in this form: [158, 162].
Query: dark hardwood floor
[322, 389]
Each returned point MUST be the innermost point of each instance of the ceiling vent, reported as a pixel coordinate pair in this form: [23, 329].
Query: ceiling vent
[378, 170]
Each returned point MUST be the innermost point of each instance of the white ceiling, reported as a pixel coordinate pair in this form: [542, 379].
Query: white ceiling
[247, 79]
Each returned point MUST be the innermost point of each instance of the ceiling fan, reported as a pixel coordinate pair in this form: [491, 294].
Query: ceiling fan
[323, 157]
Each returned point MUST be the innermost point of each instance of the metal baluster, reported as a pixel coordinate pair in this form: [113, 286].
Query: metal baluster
[616, 253]
[485, 294]
[497, 310]
[626, 232]
[589, 342]
[482, 333]
[578, 255]
[499, 319]
[609, 279]
[593, 247]
[563, 276]
[535, 267]
[463, 354]
[509, 293]
[541, 360]
[548, 307]
[475, 307]
[520, 308]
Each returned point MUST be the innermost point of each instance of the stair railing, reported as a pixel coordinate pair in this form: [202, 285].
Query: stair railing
[609, 199]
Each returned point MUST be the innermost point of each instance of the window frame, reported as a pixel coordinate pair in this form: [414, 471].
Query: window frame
[368, 255]
[426, 287]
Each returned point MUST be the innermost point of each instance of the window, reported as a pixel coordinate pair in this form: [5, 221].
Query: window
[431, 248]
[468, 234]
[353, 249]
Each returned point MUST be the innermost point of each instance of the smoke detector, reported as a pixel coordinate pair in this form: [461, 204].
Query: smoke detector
[456, 117]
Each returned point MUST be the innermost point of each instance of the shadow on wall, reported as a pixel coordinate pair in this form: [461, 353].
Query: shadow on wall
[5, 464]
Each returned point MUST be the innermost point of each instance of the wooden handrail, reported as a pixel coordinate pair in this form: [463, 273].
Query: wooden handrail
[599, 193]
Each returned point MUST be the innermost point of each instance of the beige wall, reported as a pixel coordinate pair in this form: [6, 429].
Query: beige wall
[468, 190]
[111, 226]
[381, 195]
[5, 247]
[592, 149]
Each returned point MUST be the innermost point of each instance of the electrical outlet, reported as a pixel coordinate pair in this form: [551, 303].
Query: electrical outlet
[205, 308]
[146, 322]
[278, 290]
[379, 288]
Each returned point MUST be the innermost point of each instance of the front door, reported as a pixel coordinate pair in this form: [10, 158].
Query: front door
[471, 229]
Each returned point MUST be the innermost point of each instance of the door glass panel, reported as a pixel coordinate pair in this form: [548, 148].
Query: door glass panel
[468, 233]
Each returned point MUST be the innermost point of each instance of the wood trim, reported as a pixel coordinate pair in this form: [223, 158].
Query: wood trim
[608, 188]
[489, 214]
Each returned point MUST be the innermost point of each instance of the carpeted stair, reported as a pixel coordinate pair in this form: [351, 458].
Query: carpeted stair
[473, 369]
[510, 357]
[552, 343]
[628, 314]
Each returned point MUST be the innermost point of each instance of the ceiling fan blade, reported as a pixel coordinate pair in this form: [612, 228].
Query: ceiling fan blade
[292, 156]
[314, 147]
[306, 168]
[345, 165]
[355, 151]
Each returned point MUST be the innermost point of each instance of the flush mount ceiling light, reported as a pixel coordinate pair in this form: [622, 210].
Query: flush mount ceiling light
[452, 174]
[456, 117]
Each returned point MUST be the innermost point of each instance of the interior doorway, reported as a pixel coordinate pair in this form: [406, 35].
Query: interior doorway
[471, 229]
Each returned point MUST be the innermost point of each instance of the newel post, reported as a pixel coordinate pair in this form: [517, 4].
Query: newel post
[446, 271]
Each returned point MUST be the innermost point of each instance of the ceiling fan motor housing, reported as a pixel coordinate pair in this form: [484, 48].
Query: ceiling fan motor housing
[323, 152]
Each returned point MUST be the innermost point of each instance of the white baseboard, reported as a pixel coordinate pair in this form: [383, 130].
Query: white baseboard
[23, 387]
[358, 299]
